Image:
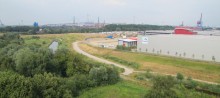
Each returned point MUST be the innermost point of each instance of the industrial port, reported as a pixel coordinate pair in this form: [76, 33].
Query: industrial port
[109, 49]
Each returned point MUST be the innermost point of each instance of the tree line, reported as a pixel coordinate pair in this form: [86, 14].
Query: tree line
[70, 29]
[36, 72]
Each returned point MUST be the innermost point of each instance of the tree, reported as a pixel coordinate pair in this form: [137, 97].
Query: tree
[30, 62]
[77, 64]
[24, 61]
[162, 88]
[99, 75]
[14, 86]
[104, 75]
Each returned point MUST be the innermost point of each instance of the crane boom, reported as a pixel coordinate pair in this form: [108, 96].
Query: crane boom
[201, 18]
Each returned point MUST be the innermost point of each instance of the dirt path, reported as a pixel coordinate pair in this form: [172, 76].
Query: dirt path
[127, 70]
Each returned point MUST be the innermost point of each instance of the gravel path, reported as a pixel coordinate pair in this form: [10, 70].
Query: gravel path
[127, 70]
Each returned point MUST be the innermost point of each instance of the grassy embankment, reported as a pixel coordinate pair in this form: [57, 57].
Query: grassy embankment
[128, 89]
[123, 89]
[169, 65]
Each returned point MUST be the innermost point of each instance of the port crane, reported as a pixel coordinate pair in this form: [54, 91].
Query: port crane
[199, 23]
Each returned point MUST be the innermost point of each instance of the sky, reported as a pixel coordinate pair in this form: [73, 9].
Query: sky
[156, 12]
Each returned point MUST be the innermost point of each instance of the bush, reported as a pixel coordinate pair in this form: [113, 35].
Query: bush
[179, 76]
[162, 88]
[148, 74]
[191, 84]
[104, 75]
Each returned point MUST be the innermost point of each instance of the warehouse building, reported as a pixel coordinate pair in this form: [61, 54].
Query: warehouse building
[127, 42]
[199, 47]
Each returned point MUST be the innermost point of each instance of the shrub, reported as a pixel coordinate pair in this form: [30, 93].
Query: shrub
[179, 76]
[162, 88]
[148, 74]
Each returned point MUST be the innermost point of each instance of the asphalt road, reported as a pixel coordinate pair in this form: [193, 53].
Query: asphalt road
[127, 70]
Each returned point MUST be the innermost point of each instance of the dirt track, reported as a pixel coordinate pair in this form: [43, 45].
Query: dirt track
[127, 70]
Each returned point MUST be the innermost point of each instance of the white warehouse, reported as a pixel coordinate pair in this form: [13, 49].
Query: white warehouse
[199, 47]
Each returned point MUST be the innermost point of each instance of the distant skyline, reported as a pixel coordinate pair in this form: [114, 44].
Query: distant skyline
[156, 12]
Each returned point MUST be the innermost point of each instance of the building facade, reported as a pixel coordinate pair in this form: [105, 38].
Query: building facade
[199, 47]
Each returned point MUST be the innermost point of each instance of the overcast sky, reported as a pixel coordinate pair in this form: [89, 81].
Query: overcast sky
[158, 12]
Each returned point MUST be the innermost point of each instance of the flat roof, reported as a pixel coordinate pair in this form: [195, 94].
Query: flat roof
[127, 40]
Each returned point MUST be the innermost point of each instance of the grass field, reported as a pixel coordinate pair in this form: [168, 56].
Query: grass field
[197, 69]
[65, 40]
[129, 89]
[123, 89]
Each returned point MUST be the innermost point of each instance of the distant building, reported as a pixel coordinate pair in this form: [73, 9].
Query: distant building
[35, 24]
[199, 47]
[127, 42]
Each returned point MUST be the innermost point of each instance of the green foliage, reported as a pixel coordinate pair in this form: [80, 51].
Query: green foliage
[35, 37]
[179, 76]
[30, 62]
[36, 72]
[9, 44]
[119, 47]
[14, 86]
[78, 64]
[41, 85]
[15, 29]
[184, 92]
[148, 74]
[34, 30]
[122, 89]
[162, 88]
[104, 75]
[133, 27]
[131, 64]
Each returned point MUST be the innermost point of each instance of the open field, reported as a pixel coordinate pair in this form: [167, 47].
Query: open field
[123, 89]
[65, 40]
[130, 89]
[168, 65]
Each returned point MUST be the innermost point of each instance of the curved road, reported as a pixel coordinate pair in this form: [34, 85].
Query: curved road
[127, 70]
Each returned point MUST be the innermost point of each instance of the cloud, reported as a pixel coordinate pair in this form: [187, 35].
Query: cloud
[115, 2]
